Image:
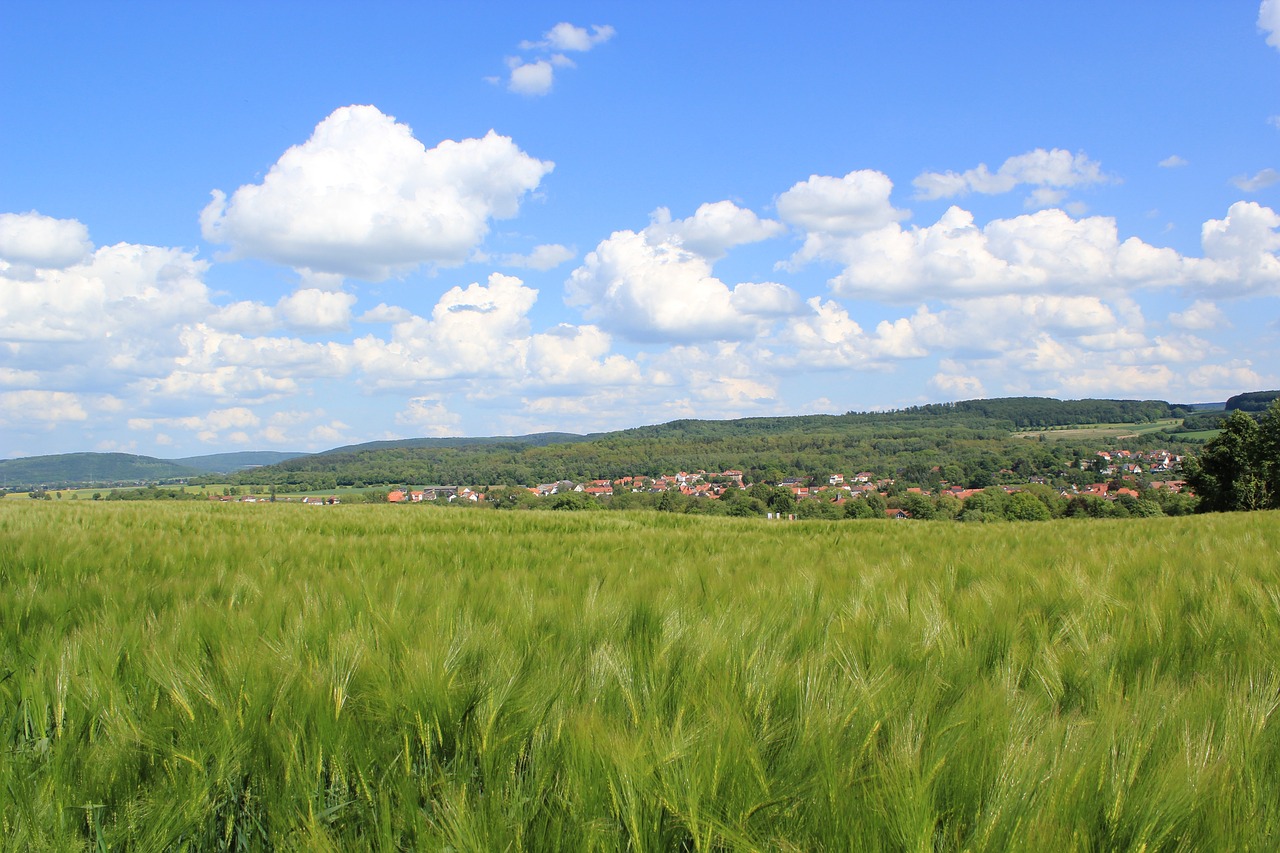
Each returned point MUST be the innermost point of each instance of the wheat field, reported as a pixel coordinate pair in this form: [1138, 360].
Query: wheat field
[227, 677]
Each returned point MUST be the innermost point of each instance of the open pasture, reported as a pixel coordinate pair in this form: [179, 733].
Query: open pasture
[213, 676]
[1101, 431]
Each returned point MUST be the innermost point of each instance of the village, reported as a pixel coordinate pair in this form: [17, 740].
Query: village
[1118, 474]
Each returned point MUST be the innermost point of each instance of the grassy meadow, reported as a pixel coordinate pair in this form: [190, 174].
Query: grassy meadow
[202, 676]
[1108, 431]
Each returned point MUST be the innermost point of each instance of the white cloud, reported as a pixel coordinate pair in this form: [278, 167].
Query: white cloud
[578, 356]
[40, 407]
[1043, 197]
[1269, 21]
[316, 310]
[536, 77]
[429, 416]
[649, 287]
[1200, 315]
[215, 420]
[31, 239]
[362, 197]
[713, 229]
[566, 36]
[840, 207]
[957, 386]
[1047, 251]
[954, 258]
[1056, 168]
[832, 211]
[1259, 181]
[1173, 161]
[531, 78]
[545, 257]
[111, 317]
[716, 381]
[245, 317]
[229, 367]
[1228, 379]
[384, 313]
[1240, 252]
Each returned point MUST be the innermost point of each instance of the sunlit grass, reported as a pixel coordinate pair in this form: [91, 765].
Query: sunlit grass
[368, 677]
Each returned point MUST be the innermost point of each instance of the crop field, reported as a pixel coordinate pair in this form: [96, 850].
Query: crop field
[1098, 431]
[197, 676]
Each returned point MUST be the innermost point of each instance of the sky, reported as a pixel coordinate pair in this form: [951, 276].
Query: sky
[296, 226]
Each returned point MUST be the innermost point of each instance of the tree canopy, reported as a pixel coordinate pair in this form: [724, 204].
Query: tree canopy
[1240, 469]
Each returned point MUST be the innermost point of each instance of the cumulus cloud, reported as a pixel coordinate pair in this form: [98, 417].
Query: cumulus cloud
[1201, 314]
[713, 229]
[226, 367]
[566, 36]
[34, 240]
[531, 78]
[658, 285]
[316, 310]
[1046, 251]
[535, 77]
[40, 407]
[1240, 252]
[429, 416]
[1258, 181]
[109, 318]
[958, 386]
[362, 197]
[229, 424]
[577, 356]
[384, 313]
[649, 286]
[955, 258]
[483, 330]
[1173, 161]
[245, 317]
[1269, 21]
[830, 209]
[1052, 169]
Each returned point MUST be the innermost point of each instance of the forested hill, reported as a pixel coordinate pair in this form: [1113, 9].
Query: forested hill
[533, 440]
[972, 436]
[90, 468]
[117, 468]
[1254, 401]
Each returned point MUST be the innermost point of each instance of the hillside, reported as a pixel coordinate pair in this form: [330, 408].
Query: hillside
[90, 468]
[966, 442]
[226, 463]
[125, 468]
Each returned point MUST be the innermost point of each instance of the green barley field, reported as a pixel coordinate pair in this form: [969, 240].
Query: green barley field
[272, 677]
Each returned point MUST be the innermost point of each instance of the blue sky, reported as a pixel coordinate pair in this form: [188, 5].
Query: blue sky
[225, 227]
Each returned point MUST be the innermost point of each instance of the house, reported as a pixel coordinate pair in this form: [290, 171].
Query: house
[395, 496]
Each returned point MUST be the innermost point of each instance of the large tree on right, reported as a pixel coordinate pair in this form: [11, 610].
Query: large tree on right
[1240, 468]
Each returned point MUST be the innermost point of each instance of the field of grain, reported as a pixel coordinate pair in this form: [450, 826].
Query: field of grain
[219, 676]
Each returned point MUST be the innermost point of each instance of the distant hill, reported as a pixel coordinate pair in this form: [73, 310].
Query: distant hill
[532, 440]
[1254, 401]
[66, 469]
[88, 468]
[226, 463]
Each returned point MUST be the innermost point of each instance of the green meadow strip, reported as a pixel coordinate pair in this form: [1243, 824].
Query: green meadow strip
[218, 676]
